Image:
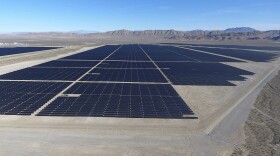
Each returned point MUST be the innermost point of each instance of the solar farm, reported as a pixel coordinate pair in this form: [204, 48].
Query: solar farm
[152, 89]
[130, 81]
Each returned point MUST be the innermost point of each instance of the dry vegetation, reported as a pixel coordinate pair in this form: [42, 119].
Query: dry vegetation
[262, 129]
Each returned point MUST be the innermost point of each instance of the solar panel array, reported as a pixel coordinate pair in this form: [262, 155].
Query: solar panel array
[125, 75]
[202, 57]
[20, 50]
[127, 65]
[129, 52]
[196, 73]
[157, 53]
[132, 81]
[67, 64]
[255, 56]
[94, 54]
[23, 98]
[231, 46]
[120, 100]
[69, 74]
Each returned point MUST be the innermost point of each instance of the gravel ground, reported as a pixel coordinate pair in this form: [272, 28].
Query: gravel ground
[262, 128]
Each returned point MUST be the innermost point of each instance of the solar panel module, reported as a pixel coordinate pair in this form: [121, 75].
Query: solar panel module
[94, 54]
[120, 100]
[125, 75]
[45, 74]
[24, 98]
[20, 50]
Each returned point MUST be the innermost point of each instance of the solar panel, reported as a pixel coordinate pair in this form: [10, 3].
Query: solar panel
[159, 54]
[126, 64]
[127, 84]
[45, 74]
[195, 73]
[199, 56]
[23, 98]
[19, 50]
[129, 52]
[234, 46]
[22, 104]
[242, 54]
[95, 54]
[123, 89]
[31, 87]
[55, 63]
[121, 102]
[125, 75]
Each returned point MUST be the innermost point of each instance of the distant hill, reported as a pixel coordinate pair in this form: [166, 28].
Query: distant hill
[240, 29]
[241, 33]
[83, 32]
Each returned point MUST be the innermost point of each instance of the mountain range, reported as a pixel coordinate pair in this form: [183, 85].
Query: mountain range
[239, 33]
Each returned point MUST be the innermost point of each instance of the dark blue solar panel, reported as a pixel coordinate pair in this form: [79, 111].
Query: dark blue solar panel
[129, 52]
[31, 87]
[122, 102]
[45, 74]
[19, 50]
[126, 64]
[199, 56]
[235, 46]
[156, 53]
[123, 89]
[191, 73]
[95, 54]
[125, 75]
[242, 54]
[22, 103]
[24, 98]
[88, 64]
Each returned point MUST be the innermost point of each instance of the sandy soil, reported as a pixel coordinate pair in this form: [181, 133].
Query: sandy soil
[262, 128]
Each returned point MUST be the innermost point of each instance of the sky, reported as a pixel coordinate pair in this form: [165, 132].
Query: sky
[106, 15]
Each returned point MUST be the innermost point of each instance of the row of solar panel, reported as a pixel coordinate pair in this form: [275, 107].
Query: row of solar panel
[125, 75]
[190, 73]
[179, 73]
[71, 74]
[242, 54]
[169, 53]
[72, 63]
[125, 89]
[22, 103]
[31, 87]
[118, 106]
[114, 100]
[23, 98]
[20, 50]
[94, 54]
[238, 51]
[235, 46]
[129, 52]
[100, 99]
[90, 64]
[157, 53]
[98, 74]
